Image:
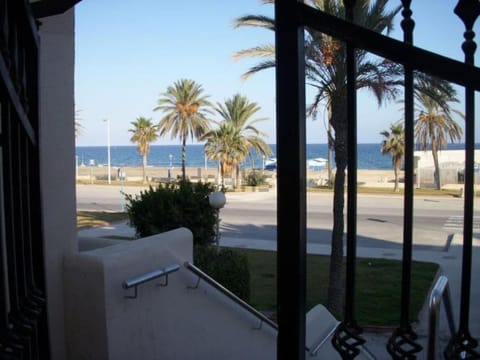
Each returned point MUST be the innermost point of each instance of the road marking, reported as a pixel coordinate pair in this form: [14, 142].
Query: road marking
[455, 223]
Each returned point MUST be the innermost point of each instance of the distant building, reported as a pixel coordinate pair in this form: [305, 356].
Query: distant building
[452, 164]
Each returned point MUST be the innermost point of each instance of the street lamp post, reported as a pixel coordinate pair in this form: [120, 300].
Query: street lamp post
[217, 200]
[108, 150]
[91, 162]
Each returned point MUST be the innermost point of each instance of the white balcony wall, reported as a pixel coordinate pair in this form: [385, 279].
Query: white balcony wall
[172, 322]
[446, 158]
[57, 166]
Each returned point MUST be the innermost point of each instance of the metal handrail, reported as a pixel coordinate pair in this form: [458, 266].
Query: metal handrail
[440, 291]
[317, 348]
[138, 280]
[203, 276]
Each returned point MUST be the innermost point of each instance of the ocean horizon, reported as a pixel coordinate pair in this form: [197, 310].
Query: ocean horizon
[369, 156]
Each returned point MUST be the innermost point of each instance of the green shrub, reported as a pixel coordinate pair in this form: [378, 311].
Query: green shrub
[255, 178]
[227, 266]
[173, 205]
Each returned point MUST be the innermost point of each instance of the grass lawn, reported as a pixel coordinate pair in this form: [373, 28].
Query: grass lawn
[87, 219]
[378, 286]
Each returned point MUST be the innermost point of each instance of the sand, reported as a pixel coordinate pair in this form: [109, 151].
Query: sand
[365, 177]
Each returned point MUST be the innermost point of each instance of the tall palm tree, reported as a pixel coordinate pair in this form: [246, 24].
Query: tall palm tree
[78, 124]
[186, 110]
[143, 132]
[394, 144]
[326, 73]
[225, 145]
[434, 124]
[236, 136]
[238, 111]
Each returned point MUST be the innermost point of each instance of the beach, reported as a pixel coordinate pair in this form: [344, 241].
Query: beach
[373, 178]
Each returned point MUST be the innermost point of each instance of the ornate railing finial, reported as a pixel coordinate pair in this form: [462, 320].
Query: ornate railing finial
[349, 5]
[468, 11]
[407, 23]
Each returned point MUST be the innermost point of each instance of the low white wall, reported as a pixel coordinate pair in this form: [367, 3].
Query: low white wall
[172, 322]
[447, 157]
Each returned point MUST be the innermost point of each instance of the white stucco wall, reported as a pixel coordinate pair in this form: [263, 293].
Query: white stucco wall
[172, 322]
[445, 157]
[57, 170]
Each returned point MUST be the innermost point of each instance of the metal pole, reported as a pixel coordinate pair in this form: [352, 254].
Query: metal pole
[217, 240]
[108, 151]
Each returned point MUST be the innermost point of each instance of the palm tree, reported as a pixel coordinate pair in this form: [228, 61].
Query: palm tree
[326, 73]
[144, 132]
[434, 124]
[237, 111]
[394, 144]
[78, 124]
[185, 111]
[236, 135]
[226, 146]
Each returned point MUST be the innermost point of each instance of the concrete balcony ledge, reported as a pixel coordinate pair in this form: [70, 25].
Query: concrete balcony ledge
[101, 322]
[162, 322]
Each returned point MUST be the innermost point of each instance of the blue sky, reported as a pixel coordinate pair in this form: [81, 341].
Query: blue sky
[127, 55]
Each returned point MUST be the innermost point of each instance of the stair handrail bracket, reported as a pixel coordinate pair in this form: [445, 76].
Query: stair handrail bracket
[149, 276]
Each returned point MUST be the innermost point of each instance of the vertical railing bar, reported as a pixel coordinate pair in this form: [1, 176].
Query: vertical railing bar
[408, 26]
[463, 343]
[291, 183]
[402, 341]
[347, 340]
[9, 212]
[4, 303]
[351, 178]
[468, 208]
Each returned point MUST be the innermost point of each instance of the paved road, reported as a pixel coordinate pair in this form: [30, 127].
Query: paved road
[379, 220]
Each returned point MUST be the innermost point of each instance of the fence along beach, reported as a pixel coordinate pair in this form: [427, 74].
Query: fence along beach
[87, 174]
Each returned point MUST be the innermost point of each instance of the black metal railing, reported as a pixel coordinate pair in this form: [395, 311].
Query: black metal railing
[23, 322]
[292, 17]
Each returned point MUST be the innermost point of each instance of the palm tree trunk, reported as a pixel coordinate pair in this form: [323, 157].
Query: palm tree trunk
[222, 173]
[184, 157]
[335, 293]
[144, 167]
[237, 176]
[330, 145]
[436, 175]
[330, 154]
[395, 171]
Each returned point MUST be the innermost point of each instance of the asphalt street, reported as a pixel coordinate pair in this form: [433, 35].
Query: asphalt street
[379, 217]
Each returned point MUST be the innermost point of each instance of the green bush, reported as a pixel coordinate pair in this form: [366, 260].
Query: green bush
[255, 178]
[173, 205]
[227, 266]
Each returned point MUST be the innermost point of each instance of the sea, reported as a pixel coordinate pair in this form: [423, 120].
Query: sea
[369, 156]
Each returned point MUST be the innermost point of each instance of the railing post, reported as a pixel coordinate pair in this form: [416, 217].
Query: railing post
[347, 339]
[291, 184]
[403, 340]
[463, 343]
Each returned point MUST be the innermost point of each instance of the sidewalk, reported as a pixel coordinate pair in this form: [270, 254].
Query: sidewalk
[449, 260]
